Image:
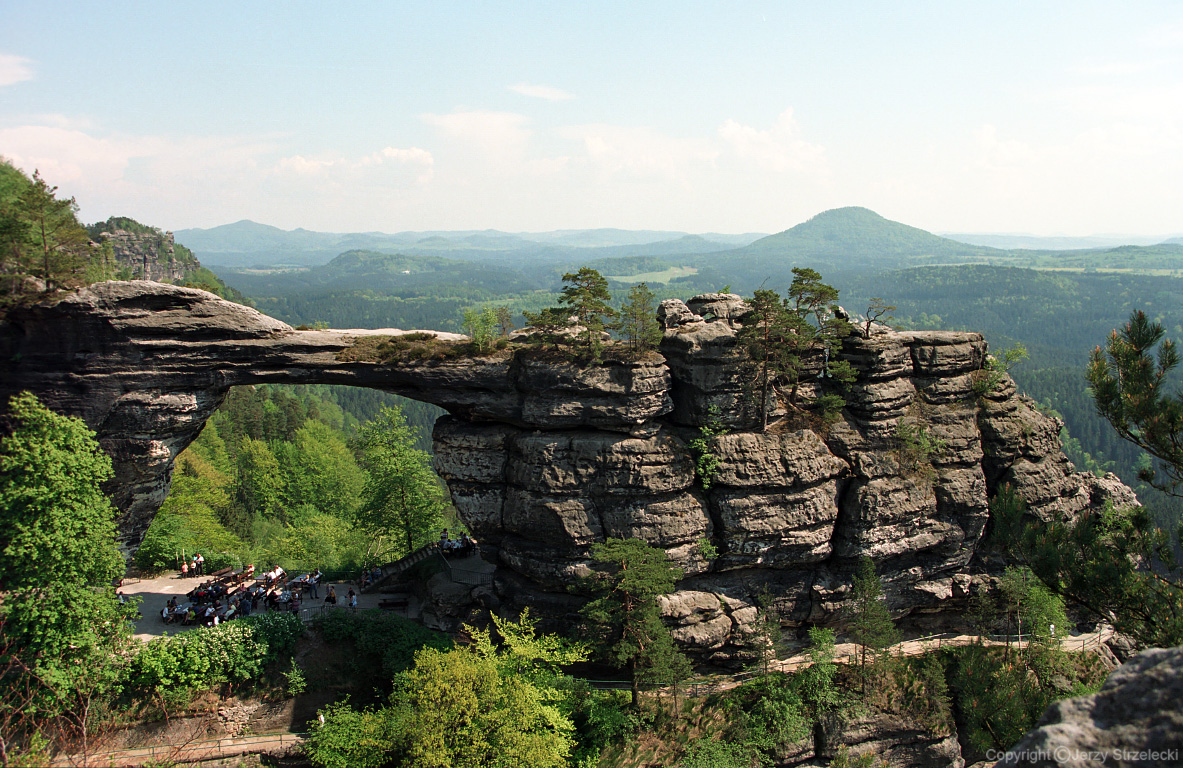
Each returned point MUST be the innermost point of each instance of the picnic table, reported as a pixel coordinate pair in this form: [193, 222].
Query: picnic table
[175, 615]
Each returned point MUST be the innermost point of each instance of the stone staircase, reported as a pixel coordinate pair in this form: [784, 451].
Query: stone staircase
[398, 567]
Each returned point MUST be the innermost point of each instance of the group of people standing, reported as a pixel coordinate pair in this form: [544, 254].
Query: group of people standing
[331, 598]
[194, 567]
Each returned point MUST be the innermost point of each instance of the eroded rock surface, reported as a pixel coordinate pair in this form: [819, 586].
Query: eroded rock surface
[544, 459]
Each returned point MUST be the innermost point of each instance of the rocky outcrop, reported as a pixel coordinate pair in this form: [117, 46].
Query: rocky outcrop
[544, 458]
[892, 738]
[1136, 719]
[149, 255]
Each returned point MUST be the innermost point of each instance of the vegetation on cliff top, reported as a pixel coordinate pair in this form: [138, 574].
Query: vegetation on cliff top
[44, 248]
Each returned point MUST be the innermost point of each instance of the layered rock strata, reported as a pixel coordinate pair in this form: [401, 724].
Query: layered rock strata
[544, 458]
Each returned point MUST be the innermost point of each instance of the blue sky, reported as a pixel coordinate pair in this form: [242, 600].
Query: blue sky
[1034, 117]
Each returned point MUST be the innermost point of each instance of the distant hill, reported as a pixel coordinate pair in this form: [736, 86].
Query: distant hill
[858, 233]
[250, 244]
[838, 241]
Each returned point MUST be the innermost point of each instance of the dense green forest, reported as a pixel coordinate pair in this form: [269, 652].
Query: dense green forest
[280, 475]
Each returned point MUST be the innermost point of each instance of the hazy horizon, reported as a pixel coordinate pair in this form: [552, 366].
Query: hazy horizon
[1053, 119]
[1149, 238]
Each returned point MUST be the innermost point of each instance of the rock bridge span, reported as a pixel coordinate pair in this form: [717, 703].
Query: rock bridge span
[544, 459]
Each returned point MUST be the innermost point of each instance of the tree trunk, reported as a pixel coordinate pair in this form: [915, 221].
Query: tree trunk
[636, 685]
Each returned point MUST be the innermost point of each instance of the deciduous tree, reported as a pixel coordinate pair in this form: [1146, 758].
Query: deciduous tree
[467, 713]
[479, 324]
[403, 501]
[62, 626]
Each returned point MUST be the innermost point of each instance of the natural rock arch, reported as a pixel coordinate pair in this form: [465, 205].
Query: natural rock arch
[543, 459]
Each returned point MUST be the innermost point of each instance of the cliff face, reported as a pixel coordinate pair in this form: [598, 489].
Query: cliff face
[148, 255]
[544, 459]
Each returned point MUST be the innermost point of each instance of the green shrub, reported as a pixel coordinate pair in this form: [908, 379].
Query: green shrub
[297, 684]
[711, 753]
[236, 651]
[198, 659]
[347, 738]
[994, 369]
[601, 718]
[279, 631]
[916, 449]
[385, 642]
[706, 463]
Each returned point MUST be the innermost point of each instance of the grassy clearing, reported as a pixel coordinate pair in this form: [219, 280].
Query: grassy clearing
[664, 276]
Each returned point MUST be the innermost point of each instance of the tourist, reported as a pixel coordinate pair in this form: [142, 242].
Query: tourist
[352, 599]
[331, 597]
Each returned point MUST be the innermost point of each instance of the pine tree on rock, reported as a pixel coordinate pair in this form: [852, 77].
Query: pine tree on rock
[638, 319]
[871, 625]
[784, 338]
[586, 296]
[625, 614]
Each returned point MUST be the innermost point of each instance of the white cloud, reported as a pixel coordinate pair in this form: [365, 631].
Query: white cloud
[500, 137]
[14, 69]
[414, 158]
[303, 166]
[780, 148]
[641, 152]
[547, 92]
[344, 170]
[65, 155]
[995, 154]
[1108, 176]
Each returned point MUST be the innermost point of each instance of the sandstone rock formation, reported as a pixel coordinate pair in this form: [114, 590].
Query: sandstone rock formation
[544, 458]
[148, 255]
